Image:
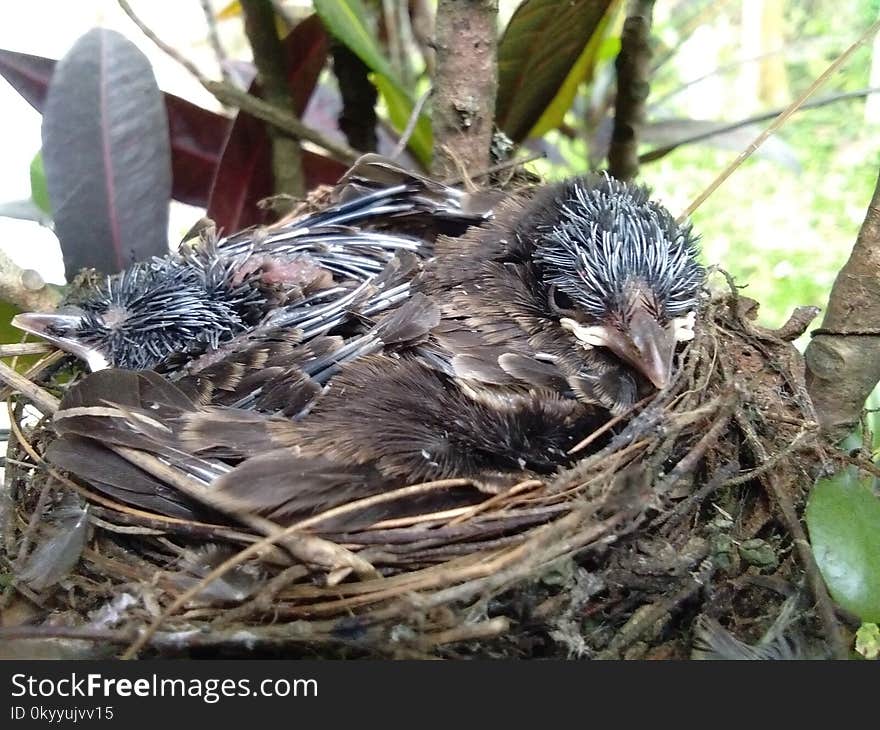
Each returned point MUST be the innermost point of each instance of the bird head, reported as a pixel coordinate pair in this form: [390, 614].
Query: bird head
[620, 273]
[137, 319]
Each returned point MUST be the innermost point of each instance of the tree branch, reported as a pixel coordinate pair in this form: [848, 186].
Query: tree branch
[285, 121]
[25, 288]
[230, 95]
[214, 39]
[259, 25]
[633, 85]
[465, 84]
[357, 119]
[725, 127]
[843, 368]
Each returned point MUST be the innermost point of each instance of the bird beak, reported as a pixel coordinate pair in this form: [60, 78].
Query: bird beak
[651, 349]
[50, 328]
[645, 345]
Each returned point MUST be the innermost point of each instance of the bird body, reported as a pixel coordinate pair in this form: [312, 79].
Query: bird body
[305, 273]
[519, 337]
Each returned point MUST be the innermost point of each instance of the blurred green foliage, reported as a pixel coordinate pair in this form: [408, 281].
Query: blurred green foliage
[783, 232]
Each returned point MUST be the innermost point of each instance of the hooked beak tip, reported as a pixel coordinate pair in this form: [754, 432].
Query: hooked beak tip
[659, 378]
[654, 345]
[49, 326]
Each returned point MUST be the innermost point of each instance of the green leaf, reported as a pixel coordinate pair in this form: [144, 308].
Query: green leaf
[39, 191]
[599, 48]
[400, 108]
[8, 333]
[843, 516]
[346, 20]
[538, 52]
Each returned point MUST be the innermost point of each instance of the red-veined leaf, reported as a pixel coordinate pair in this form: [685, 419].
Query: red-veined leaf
[106, 154]
[244, 175]
[197, 134]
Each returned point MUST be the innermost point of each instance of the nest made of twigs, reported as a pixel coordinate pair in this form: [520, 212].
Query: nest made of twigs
[613, 557]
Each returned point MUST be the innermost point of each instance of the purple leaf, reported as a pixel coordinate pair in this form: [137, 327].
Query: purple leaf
[197, 139]
[244, 175]
[197, 135]
[28, 75]
[107, 155]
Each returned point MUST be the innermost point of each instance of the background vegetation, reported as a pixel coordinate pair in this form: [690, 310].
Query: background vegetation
[352, 76]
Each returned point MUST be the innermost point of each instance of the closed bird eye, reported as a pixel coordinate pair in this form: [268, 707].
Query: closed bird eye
[560, 303]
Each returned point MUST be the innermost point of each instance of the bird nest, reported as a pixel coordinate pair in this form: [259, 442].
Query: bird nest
[685, 507]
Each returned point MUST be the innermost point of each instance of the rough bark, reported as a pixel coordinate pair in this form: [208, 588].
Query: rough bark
[465, 84]
[25, 288]
[357, 120]
[633, 66]
[843, 359]
[259, 26]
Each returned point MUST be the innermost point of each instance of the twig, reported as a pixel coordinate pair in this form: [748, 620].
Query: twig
[633, 85]
[44, 401]
[724, 128]
[608, 425]
[228, 94]
[259, 26]
[411, 124]
[492, 169]
[307, 548]
[170, 50]
[277, 537]
[690, 461]
[525, 486]
[264, 599]
[25, 288]
[768, 463]
[780, 120]
[25, 348]
[38, 369]
[389, 496]
[802, 545]
[644, 620]
[214, 39]
[468, 632]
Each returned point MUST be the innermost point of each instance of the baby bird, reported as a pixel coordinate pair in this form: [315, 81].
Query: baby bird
[306, 273]
[519, 337]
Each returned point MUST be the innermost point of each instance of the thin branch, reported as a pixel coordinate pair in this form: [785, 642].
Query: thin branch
[214, 39]
[465, 84]
[259, 25]
[170, 50]
[780, 120]
[843, 367]
[285, 121]
[44, 401]
[411, 124]
[25, 288]
[230, 95]
[633, 85]
[724, 128]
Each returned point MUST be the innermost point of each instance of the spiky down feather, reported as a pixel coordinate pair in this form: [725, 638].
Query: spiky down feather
[609, 243]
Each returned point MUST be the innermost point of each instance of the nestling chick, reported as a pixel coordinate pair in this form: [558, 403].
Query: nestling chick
[522, 335]
[588, 282]
[281, 276]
